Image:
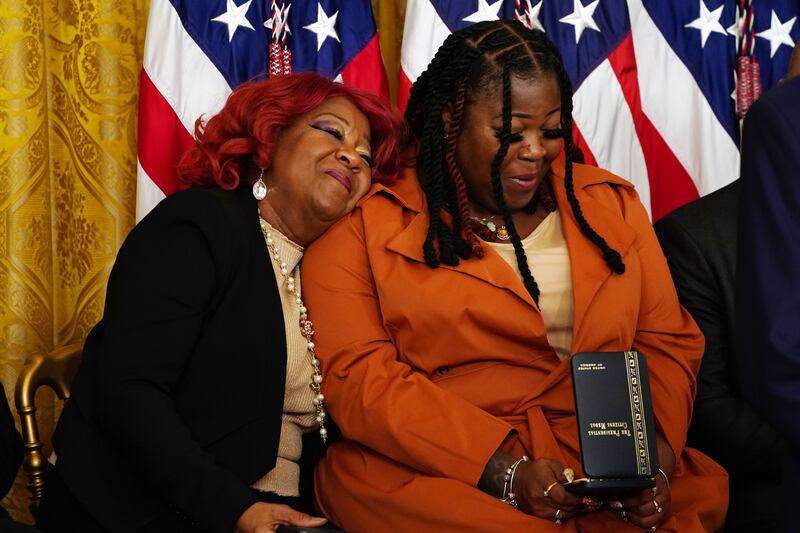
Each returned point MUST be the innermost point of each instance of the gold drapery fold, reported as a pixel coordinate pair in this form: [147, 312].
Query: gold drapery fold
[390, 15]
[69, 73]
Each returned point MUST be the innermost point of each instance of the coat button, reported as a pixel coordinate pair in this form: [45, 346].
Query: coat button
[443, 370]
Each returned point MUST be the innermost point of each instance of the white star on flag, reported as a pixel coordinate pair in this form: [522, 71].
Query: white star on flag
[485, 12]
[707, 23]
[778, 33]
[582, 18]
[735, 29]
[279, 21]
[533, 15]
[324, 26]
[234, 17]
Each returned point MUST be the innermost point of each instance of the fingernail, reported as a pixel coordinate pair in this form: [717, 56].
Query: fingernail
[569, 474]
[615, 505]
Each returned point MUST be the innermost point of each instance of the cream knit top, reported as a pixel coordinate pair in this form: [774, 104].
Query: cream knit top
[298, 411]
[548, 259]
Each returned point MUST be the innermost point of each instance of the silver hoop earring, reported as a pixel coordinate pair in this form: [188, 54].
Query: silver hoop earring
[259, 187]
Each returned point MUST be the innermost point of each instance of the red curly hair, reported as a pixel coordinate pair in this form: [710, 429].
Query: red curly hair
[243, 133]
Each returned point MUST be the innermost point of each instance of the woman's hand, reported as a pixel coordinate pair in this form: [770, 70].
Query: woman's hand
[262, 517]
[539, 488]
[649, 508]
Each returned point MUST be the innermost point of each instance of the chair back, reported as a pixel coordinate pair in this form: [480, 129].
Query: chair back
[56, 370]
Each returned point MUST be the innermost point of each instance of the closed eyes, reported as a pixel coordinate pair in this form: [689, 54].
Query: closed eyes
[367, 159]
[548, 133]
[553, 133]
[328, 128]
[338, 134]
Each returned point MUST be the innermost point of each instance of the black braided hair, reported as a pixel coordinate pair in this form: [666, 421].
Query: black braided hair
[478, 57]
[612, 257]
[497, 190]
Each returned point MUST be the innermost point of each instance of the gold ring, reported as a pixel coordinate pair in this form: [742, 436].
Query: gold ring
[653, 529]
[549, 488]
[559, 516]
[624, 515]
[658, 507]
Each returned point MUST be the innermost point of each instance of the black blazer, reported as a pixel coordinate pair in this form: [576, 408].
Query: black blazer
[699, 241]
[177, 405]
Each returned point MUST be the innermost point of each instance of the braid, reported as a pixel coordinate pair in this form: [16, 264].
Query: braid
[436, 87]
[434, 201]
[544, 196]
[612, 257]
[462, 200]
[497, 189]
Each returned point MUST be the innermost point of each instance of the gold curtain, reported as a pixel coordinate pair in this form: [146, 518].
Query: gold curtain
[390, 15]
[68, 91]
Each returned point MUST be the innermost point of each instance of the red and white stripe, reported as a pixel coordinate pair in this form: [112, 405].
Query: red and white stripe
[178, 84]
[679, 111]
[423, 33]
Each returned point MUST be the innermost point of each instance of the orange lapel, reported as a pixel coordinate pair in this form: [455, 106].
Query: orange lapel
[491, 268]
[589, 269]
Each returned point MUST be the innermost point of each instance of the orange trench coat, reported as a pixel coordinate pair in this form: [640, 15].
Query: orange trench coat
[426, 371]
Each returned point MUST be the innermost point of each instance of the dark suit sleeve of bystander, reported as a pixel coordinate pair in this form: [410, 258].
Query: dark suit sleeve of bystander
[768, 267]
[723, 425]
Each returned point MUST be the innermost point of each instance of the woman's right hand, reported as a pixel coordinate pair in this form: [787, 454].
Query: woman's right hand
[539, 488]
[263, 517]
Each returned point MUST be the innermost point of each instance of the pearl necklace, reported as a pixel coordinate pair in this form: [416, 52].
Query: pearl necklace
[306, 329]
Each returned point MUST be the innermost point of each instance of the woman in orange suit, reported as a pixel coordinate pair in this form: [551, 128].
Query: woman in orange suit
[448, 304]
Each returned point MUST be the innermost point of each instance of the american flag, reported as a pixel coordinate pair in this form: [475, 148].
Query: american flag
[197, 51]
[654, 80]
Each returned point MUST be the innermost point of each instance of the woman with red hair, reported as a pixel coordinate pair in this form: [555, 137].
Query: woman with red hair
[199, 384]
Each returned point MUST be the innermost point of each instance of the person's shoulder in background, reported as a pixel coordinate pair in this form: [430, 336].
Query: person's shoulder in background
[783, 96]
[709, 215]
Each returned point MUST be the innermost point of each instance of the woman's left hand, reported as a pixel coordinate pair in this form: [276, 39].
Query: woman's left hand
[263, 517]
[649, 508]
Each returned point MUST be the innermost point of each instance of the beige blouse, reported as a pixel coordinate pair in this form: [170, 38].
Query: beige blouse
[548, 259]
[298, 411]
